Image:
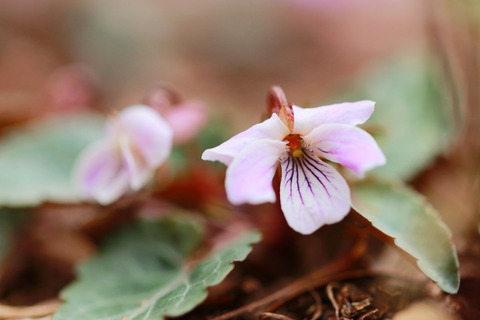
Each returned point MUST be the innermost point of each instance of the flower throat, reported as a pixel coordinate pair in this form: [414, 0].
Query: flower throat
[295, 143]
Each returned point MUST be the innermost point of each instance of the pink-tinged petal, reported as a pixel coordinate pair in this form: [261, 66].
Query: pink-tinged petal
[148, 131]
[272, 128]
[350, 146]
[352, 113]
[249, 176]
[312, 193]
[99, 173]
[138, 171]
[186, 119]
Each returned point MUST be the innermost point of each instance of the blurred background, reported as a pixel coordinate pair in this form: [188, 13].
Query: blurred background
[227, 53]
[418, 59]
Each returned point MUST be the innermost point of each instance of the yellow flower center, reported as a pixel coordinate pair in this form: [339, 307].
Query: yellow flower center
[295, 144]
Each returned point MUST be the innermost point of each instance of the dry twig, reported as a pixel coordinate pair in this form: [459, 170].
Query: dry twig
[270, 315]
[319, 277]
[36, 311]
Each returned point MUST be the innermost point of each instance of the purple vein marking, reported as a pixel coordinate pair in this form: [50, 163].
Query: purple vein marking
[304, 163]
[296, 164]
[301, 163]
[315, 160]
[290, 179]
[328, 152]
[325, 175]
[316, 177]
[287, 169]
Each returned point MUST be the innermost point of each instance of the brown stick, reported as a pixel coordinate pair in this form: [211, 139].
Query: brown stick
[269, 315]
[39, 310]
[316, 278]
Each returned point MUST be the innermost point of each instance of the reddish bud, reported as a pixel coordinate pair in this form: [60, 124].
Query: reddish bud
[277, 103]
[161, 97]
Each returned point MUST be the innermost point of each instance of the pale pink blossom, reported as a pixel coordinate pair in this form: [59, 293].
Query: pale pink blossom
[185, 117]
[136, 142]
[312, 192]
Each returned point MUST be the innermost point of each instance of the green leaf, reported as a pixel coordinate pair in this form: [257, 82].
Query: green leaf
[411, 119]
[178, 159]
[405, 215]
[36, 161]
[142, 273]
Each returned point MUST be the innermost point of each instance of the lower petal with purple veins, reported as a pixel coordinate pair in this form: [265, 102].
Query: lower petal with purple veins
[312, 193]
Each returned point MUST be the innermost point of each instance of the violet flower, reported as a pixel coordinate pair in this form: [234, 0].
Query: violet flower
[312, 192]
[137, 141]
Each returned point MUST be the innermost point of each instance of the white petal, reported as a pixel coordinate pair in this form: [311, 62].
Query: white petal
[352, 113]
[350, 146]
[312, 193]
[112, 189]
[138, 171]
[249, 176]
[99, 173]
[272, 128]
[150, 133]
